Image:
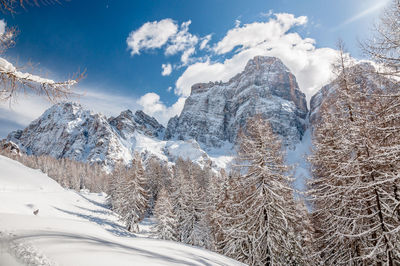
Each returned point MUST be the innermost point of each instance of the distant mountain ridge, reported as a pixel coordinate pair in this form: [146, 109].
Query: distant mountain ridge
[67, 130]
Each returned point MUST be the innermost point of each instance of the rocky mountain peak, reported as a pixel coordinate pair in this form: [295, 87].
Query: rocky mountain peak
[264, 64]
[127, 122]
[67, 130]
[215, 111]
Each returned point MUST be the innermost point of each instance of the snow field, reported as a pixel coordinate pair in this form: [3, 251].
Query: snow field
[76, 228]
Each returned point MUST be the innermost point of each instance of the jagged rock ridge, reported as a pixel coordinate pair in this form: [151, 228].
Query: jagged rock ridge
[215, 111]
[66, 130]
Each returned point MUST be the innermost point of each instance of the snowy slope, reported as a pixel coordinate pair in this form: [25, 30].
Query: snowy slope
[75, 228]
[297, 158]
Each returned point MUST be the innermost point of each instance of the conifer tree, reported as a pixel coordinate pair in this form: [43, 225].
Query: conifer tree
[166, 226]
[230, 238]
[189, 205]
[354, 182]
[128, 194]
[158, 176]
[264, 231]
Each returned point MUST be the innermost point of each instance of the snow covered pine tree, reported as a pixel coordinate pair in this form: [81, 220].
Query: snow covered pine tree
[166, 226]
[128, 195]
[355, 176]
[268, 214]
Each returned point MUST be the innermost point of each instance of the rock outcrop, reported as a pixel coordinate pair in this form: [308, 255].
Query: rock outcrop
[127, 122]
[215, 111]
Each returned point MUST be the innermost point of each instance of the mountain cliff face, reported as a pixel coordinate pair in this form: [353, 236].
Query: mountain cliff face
[127, 123]
[66, 130]
[215, 111]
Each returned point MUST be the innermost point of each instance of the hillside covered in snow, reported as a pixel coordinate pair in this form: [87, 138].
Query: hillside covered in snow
[73, 228]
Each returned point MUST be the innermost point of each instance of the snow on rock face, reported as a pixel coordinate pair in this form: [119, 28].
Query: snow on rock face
[365, 77]
[215, 111]
[127, 122]
[66, 130]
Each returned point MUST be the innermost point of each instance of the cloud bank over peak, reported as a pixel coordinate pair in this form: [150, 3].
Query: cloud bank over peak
[204, 61]
[275, 37]
[152, 105]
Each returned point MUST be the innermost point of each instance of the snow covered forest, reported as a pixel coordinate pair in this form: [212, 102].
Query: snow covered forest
[348, 215]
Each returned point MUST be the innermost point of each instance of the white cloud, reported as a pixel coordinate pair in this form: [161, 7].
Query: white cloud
[204, 41]
[166, 69]
[267, 14]
[237, 23]
[164, 33]
[310, 65]
[186, 55]
[254, 34]
[153, 106]
[151, 35]
[182, 40]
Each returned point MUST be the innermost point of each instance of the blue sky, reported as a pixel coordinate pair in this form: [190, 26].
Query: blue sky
[92, 35]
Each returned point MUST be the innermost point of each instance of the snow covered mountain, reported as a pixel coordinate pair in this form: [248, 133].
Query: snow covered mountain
[215, 111]
[204, 132]
[45, 224]
[67, 130]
